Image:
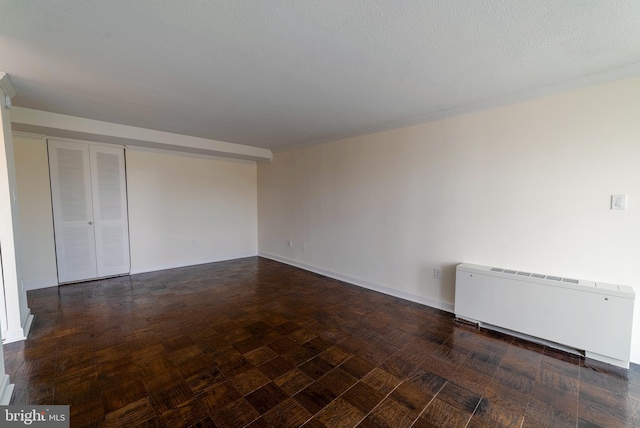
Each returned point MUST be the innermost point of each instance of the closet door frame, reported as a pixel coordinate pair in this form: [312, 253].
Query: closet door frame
[93, 222]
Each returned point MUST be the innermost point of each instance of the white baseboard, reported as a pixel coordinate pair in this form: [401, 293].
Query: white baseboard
[6, 390]
[174, 265]
[18, 334]
[445, 306]
[15, 335]
[40, 283]
[27, 322]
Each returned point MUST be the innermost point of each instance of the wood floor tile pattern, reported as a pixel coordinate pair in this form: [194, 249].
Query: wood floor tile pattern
[256, 343]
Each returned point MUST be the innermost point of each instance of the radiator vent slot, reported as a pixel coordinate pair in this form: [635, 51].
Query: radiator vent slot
[535, 275]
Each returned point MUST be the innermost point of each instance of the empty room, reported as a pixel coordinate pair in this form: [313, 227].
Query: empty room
[319, 214]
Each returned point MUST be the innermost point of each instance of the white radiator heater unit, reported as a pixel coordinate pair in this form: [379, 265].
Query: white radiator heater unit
[591, 317]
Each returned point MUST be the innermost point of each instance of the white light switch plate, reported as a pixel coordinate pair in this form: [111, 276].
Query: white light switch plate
[618, 202]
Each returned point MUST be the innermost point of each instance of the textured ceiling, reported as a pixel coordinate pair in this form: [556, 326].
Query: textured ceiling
[277, 73]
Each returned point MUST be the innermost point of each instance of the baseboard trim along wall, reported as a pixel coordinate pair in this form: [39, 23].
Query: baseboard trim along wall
[53, 282]
[433, 303]
[145, 269]
[40, 283]
[18, 334]
[27, 322]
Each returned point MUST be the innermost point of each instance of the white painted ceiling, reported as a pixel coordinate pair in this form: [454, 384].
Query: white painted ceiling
[277, 74]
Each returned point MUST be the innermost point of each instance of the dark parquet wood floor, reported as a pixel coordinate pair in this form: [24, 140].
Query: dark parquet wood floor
[253, 342]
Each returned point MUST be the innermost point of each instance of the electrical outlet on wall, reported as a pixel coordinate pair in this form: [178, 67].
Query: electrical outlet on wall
[437, 273]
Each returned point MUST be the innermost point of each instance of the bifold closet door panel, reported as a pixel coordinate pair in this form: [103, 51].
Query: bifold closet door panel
[110, 210]
[69, 167]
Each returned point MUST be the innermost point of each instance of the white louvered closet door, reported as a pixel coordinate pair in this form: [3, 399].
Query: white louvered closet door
[110, 210]
[88, 193]
[72, 210]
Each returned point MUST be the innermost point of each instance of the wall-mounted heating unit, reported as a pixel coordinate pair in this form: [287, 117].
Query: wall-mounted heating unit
[591, 317]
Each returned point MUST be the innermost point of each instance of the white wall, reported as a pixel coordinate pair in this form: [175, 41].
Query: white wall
[525, 186]
[36, 218]
[188, 210]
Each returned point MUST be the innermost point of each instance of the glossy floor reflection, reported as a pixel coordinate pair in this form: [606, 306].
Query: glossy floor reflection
[253, 342]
